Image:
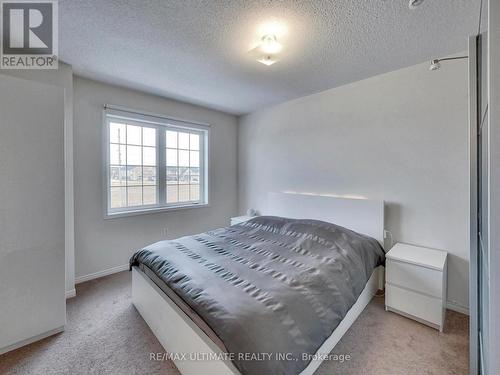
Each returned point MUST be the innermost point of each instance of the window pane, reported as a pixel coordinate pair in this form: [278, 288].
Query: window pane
[134, 176]
[117, 176]
[194, 160]
[183, 175]
[194, 192]
[184, 140]
[134, 196]
[183, 158]
[194, 142]
[149, 175]
[149, 136]
[116, 132]
[171, 139]
[149, 194]
[195, 175]
[134, 156]
[183, 193]
[149, 156]
[172, 177]
[134, 136]
[171, 157]
[118, 197]
[117, 155]
[172, 191]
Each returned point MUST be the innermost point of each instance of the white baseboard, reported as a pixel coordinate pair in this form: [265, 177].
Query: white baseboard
[96, 275]
[71, 293]
[457, 308]
[39, 337]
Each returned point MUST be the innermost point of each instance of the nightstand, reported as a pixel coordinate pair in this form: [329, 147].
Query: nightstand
[240, 219]
[416, 283]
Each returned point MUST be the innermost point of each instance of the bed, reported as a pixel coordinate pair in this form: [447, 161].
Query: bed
[271, 295]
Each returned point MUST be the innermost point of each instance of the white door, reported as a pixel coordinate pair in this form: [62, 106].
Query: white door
[32, 288]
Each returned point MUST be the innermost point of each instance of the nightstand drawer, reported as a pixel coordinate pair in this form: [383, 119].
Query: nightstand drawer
[427, 309]
[417, 278]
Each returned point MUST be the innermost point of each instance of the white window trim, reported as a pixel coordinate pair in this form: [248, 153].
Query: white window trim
[162, 123]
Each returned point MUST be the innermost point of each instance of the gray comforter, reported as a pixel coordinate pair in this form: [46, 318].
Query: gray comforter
[272, 286]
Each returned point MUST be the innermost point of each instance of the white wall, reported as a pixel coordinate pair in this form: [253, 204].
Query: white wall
[103, 244]
[400, 137]
[31, 211]
[62, 77]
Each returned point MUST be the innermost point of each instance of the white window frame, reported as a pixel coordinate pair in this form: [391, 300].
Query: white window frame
[161, 124]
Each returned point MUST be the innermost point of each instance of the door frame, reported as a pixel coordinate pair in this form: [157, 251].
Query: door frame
[473, 201]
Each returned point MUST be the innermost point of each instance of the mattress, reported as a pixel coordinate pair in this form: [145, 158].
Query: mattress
[271, 285]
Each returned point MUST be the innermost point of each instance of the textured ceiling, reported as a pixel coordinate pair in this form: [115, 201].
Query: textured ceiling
[197, 51]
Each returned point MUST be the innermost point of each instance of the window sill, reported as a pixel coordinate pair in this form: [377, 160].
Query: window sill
[155, 210]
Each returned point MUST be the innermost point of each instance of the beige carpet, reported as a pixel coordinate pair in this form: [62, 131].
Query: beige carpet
[106, 335]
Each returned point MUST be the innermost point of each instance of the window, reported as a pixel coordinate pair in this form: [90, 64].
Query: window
[153, 163]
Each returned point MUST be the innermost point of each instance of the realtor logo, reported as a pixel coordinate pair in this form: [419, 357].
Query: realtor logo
[29, 34]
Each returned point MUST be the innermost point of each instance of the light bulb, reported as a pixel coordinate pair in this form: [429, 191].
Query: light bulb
[270, 45]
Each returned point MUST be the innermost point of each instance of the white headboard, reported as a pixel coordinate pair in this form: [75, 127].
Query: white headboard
[360, 215]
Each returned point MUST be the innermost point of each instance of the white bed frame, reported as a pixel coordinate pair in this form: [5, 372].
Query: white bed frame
[180, 335]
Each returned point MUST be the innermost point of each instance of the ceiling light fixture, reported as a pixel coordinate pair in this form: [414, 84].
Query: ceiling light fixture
[269, 47]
